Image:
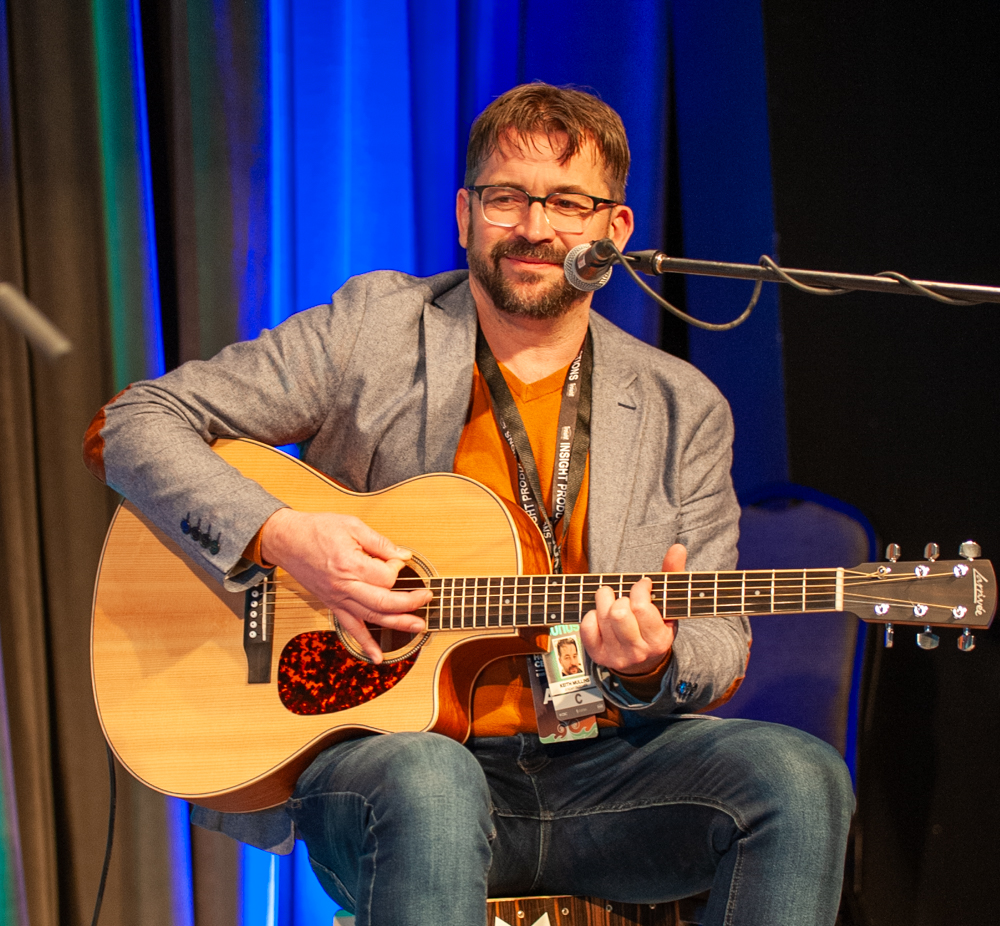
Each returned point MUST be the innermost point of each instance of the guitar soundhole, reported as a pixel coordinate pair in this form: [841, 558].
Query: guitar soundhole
[395, 644]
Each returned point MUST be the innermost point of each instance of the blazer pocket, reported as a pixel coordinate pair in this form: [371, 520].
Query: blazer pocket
[644, 545]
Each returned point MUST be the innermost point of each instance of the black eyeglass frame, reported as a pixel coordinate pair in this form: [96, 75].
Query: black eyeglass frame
[596, 200]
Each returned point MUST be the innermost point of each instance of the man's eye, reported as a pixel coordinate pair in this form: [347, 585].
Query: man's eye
[569, 205]
[505, 200]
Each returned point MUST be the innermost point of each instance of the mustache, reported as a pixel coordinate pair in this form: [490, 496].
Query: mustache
[521, 248]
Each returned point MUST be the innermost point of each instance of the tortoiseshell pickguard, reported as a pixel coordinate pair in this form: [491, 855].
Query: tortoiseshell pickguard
[318, 675]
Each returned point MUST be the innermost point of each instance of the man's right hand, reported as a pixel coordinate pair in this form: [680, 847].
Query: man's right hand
[349, 567]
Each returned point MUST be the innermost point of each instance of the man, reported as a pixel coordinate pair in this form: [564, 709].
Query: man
[389, 381]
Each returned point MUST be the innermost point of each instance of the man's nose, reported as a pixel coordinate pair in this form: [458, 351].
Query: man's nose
[534, 226]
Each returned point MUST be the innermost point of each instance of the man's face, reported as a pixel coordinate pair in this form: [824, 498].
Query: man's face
[569, 659]
[520, 269]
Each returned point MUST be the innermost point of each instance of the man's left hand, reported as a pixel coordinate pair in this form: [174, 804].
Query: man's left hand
[629, 635]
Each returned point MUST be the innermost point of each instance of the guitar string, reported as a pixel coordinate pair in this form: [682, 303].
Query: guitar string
[290, 599]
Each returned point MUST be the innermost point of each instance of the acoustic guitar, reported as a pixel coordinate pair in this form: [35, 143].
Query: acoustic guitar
[224, 698]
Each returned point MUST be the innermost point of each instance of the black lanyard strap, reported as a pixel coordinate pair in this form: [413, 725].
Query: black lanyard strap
[572, 442]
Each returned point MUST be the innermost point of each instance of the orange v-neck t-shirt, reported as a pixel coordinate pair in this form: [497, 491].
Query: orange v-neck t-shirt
[502, 702]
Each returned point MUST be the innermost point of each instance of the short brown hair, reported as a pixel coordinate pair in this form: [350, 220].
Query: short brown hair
[541, 109]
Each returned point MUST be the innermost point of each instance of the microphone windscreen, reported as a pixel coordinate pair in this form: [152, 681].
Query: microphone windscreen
[573, 275]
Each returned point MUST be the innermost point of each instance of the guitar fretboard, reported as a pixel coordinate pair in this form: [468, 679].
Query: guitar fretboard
[465, 603]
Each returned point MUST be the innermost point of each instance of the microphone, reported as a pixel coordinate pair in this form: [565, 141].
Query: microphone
[588, 266]
[32, 324]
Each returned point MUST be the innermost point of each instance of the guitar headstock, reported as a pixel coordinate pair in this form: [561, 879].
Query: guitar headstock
[938, 593]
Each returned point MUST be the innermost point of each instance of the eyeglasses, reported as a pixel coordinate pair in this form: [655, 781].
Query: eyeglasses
[508, 206]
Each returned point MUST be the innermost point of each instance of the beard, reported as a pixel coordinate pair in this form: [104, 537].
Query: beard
[552, 302]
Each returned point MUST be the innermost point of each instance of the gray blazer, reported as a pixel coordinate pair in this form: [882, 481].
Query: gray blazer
[375, 387]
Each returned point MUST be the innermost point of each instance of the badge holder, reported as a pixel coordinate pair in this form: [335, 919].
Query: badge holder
[565, 697]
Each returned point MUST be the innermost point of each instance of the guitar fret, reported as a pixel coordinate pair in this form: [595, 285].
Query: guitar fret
[442, 602]
[493, 617]
[573, 614]
[788, 591]
[508, 600]
[760, 586]
[537, 612]
[702, 601]
[438, 587]
[729, 593]
[431, 609]
[554, 615]
[821, 592]
[522, 616]
[482, 602]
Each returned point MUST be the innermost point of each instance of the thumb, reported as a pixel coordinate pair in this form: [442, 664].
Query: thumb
[675, 558]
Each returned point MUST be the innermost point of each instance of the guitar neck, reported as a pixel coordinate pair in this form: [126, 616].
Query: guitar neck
[471, 602]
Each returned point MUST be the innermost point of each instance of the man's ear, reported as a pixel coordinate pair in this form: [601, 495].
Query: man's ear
[462, 216]
[621, 226]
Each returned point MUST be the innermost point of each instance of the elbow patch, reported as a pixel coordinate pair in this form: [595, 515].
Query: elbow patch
[93, 440]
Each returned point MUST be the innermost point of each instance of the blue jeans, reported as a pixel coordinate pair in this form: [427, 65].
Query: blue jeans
[413, 828]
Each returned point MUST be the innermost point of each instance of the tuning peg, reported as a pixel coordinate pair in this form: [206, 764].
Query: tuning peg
[926, 639]
[970, 550]
[966, 642]
[887, 639]
[892, 552]
[931, 552]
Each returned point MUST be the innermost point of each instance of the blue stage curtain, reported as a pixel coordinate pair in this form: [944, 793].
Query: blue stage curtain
[381, 101]
[723, 150]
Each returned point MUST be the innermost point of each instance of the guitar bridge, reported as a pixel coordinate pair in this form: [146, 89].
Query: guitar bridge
[258, 629]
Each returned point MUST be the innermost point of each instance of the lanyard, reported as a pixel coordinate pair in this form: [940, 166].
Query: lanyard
[572, 442]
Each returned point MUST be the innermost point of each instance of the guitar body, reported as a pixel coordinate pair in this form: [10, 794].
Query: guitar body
[170, 672]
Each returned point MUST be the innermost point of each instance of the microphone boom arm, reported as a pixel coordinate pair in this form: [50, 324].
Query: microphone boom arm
[817, 282]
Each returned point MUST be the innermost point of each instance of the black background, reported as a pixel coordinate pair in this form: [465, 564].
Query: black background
[885, 120]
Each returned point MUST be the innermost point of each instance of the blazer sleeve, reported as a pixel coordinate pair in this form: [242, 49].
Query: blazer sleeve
[710, 655]
[151, 442]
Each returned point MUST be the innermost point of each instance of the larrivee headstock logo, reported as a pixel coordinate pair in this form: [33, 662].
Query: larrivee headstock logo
[979, 581]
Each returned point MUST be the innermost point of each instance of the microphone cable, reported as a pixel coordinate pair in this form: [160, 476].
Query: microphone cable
[680, 313]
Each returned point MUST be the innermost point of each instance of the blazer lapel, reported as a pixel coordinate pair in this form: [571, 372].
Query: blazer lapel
[616, 429]
[449, 354]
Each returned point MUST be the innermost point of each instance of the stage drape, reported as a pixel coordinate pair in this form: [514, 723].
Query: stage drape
[177, 175]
